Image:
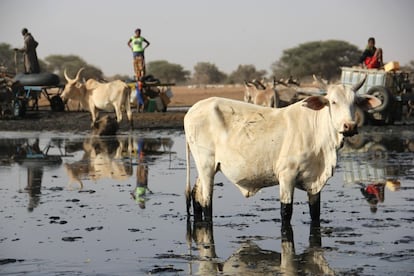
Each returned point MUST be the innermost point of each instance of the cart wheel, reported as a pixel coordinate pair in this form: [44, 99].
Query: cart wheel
[383, 95]
[57, 104]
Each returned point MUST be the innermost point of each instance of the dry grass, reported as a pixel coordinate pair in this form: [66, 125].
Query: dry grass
[184, 96]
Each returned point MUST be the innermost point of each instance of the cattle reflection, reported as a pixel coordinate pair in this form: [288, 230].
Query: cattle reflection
[375, 161]
[114, 158]
[250, 259]
[102, 158]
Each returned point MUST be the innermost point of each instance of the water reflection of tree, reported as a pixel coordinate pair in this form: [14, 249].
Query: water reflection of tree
[250, 259]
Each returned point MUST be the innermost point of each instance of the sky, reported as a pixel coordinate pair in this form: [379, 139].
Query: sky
[226, 33]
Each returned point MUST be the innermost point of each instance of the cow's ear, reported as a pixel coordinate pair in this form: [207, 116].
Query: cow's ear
[367, 102]
[315, 102]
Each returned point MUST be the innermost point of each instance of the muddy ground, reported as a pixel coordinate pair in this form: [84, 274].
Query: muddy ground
[73, 121]
[46, 120]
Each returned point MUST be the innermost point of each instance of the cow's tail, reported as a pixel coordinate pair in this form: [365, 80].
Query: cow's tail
[127, 102]
[188, 184]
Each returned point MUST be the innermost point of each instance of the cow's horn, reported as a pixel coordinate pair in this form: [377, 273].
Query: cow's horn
[319, 82]
[66, 76]
[78, 74]
[259, 85]
[358, 85]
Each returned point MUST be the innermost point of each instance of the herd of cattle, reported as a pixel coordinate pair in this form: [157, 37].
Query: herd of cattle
[283, 138]
[116, 95]
[254, 146]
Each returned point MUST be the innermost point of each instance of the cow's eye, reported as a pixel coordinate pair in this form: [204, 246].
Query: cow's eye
[333, 102]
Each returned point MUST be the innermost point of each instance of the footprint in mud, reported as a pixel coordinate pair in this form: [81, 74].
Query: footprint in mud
[56, 220]
[71, 239]
[89, 229]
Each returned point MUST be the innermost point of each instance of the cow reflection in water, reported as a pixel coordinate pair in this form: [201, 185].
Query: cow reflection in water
[102, 158]
[251, 259]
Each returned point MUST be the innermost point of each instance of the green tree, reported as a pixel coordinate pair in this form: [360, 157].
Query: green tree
[207, 73]
[323, 58]
[58, 63]
[120, 77]
[409, 66]
[9, 59]
[167, 72]
[246, 73]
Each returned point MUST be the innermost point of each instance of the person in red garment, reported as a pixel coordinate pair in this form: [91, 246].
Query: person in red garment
[371, 58]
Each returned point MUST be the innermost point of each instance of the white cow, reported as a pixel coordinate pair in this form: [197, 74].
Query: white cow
[257, 147]
[95, 96]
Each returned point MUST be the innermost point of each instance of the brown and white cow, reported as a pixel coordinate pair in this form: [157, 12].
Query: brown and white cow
[257, 93]
[257, 147]
[95, 96]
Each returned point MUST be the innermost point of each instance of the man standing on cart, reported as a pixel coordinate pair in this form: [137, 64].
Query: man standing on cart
[31, 63]
[136, 43]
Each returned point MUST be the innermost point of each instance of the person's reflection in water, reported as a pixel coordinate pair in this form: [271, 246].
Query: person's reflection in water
[139, 194]
[34, 173]
[373, 193]
[34, 185]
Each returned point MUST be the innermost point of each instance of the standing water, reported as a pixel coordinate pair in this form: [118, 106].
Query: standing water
[76, 204]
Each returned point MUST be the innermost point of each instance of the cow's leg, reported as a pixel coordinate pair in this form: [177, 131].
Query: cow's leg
[118, 112]
[315, 206]
[203, 195]
[129, 114]
[197, 210]
[287, 187]
[94, 114]
[288, 261]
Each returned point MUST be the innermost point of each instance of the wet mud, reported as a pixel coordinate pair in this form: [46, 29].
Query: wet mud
[75, 204]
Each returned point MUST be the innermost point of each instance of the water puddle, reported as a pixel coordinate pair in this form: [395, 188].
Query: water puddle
[76, 204]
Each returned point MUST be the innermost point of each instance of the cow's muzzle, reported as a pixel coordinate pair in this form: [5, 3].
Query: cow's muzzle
[350, 129]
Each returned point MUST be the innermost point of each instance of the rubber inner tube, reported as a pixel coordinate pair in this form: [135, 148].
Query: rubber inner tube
[39, 79]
